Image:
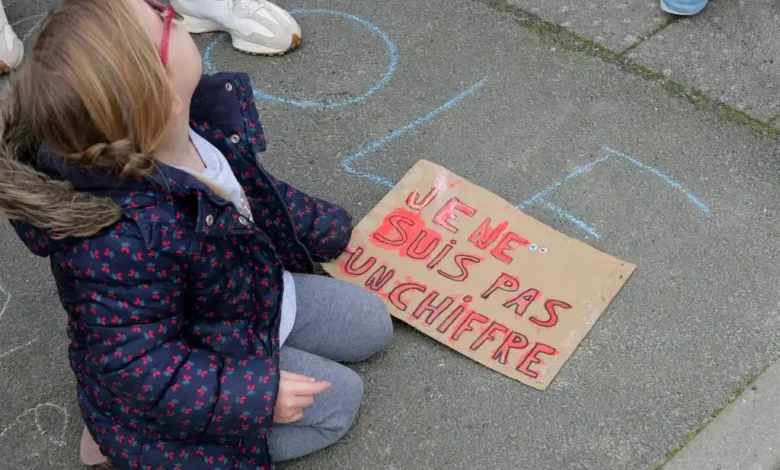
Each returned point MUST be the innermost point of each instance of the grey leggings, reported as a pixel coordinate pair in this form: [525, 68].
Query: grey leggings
[335, 322]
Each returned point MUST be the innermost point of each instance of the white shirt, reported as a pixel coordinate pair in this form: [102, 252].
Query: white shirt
[219, 174]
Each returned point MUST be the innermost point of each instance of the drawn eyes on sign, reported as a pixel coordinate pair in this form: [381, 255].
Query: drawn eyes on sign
[542, 250]
[534, 247]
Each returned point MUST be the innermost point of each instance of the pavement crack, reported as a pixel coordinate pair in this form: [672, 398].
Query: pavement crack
[644, 39]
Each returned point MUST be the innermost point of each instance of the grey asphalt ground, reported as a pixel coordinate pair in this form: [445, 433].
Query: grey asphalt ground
[514, 96]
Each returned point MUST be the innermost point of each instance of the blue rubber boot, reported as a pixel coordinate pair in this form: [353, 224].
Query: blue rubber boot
[683, 7]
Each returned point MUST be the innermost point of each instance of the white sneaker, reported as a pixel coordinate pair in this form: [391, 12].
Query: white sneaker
[11, 48]
[255, 26]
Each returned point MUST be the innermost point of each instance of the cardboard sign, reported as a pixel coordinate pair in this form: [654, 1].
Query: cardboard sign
[466, 268]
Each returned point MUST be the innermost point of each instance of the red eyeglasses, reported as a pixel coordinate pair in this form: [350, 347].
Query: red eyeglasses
[168, 15]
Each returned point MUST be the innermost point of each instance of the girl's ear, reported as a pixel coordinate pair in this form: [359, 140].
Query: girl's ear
[177, 107]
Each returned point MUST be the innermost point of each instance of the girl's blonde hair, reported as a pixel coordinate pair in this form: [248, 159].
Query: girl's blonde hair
[94, 88]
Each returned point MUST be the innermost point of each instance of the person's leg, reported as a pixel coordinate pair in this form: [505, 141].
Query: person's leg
[11, 48]
[324, 423]
[338, 320]
[332, 414]
[683, 7]
[255, 27]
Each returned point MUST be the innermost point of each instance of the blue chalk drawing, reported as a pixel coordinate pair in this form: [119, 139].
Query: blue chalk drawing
[401, 131]
[549, 189]
[392, 64]
[579, 223]
[700, 205]
[541, 196]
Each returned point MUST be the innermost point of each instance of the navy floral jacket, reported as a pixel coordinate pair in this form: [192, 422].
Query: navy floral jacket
[174, 309]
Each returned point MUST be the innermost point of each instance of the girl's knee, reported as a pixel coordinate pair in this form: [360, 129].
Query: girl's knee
[384, 324]
[349, 390]
[378, 331]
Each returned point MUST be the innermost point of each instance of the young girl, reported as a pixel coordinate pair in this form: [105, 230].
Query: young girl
[199, 340]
